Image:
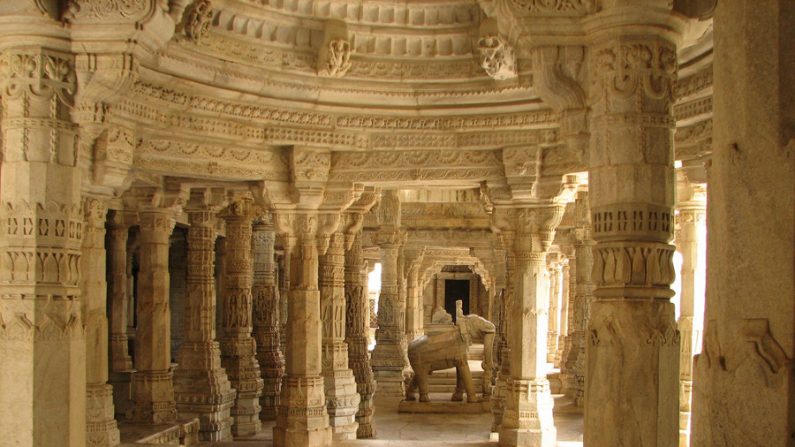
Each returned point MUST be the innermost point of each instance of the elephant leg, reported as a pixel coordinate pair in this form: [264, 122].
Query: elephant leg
[466, 376]
[458, 395]
[422, 383]
[410, 390]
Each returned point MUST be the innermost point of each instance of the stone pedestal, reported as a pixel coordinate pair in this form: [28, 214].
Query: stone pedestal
[356, 326]
[342, 400]
[267, 313]
[201, 387]
[633, 341]
[238, 348]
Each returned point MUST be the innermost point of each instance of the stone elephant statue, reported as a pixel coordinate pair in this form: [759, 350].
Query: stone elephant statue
[449, 349]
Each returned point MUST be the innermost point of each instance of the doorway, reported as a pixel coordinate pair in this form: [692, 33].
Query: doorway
[456, 289]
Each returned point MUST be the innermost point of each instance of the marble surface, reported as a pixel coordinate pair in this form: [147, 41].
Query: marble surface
[437, 430]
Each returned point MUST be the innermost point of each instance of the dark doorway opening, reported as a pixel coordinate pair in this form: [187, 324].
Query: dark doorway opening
[456, 289]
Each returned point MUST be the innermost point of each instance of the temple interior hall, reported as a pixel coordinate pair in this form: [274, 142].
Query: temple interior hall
[397, 223]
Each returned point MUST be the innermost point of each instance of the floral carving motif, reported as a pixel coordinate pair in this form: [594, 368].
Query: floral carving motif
[629, 66]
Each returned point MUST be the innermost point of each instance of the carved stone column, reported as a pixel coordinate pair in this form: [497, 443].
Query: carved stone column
[238, 348]
[571, 350]
[41, 341]
[503, 347]
[302, 418]
[101, 429]
[554, 272]
[356, 327]
[342, 399]
[691, 243]
[527, 419]
[633, 347]
[743, 389]
[267, 313]
[152, 382]
[563, 338]
[390, 357]
[118, 230]
[201, 386]
[287, 245]
[413, 306]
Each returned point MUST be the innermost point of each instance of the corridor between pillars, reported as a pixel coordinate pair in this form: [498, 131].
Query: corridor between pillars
[633, 349]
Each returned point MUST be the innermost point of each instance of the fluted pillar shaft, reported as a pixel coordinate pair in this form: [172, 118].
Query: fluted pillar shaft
[152, 382]
[342, 399]
[101, 429]
[633, 347]
[691, 243]
[267, 313]
[357, 324]
[201, 386]
[238, 348]
[118, 230]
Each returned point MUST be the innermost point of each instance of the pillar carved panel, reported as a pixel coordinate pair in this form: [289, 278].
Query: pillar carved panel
[119, 294]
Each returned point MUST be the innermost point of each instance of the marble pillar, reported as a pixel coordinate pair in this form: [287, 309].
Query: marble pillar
[201, 387]
[413, 306]
[118, 301]
[153, 390]
[743, 389]
[583, 291]
[390, 353]
[357, 323]
[691, 243]
[563, 337]
[101, 429]
[342, 400]
[287, 245]
[267, 313]
[554, 270]
[238, 348]
[503, 343]
[633, 341]
[42, 343]
[302, 417]
[527, 418]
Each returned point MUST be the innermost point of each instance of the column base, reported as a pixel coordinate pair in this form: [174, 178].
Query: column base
[302, 419]
[391, 384]
[528, 421]
[101, 427]
[342, 402]
[119, 360]
[245, 415]
[364, 416]
[269, 401]
[208, 396]
[154, 397]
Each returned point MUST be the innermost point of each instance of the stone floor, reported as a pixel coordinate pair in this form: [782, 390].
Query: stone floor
[436, 430]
